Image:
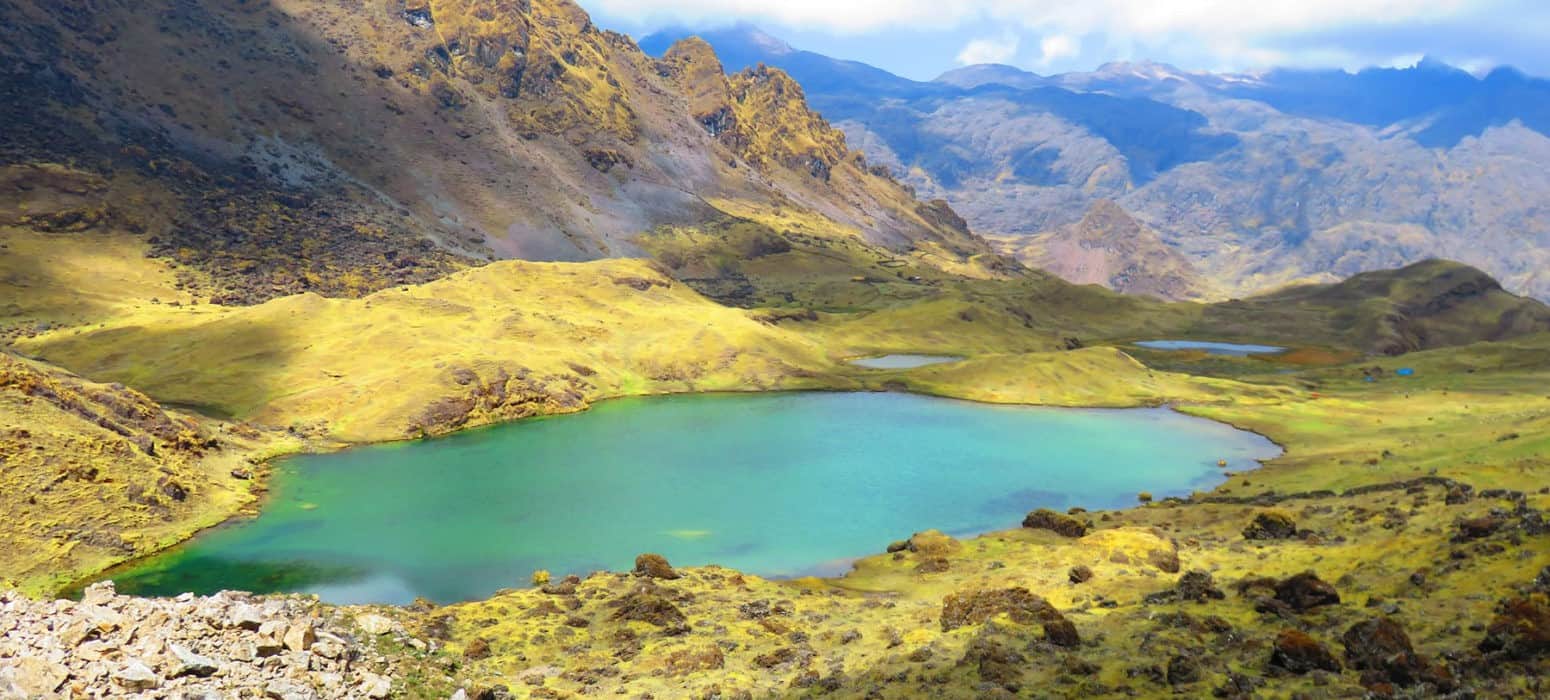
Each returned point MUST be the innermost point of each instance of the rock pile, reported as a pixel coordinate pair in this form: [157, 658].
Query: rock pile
[228, 645]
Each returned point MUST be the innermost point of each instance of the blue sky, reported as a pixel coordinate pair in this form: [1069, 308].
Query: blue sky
[923, 38]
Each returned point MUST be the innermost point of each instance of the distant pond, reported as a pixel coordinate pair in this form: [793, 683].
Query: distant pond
[1231, 349]
[903, 361]
[773, 484]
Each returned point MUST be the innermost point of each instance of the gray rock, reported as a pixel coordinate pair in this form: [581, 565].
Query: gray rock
[247, 617]
[189, 663]
[288, 690]
[135, 675]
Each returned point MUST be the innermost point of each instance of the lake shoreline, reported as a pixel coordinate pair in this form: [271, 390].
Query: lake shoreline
[839, 382]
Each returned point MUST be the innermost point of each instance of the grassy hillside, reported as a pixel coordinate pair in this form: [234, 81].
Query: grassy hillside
[92, 474]
[503, 341]
[1415, 502]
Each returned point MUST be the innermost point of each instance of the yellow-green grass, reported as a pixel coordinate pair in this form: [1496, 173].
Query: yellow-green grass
[879, 624]
[92, 475]
[555, 336]
[79, 278]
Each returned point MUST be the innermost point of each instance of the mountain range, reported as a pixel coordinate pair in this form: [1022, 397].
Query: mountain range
[1255, 180]
[270, 148]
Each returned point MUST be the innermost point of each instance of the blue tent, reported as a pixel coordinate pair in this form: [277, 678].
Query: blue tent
[1405, 372]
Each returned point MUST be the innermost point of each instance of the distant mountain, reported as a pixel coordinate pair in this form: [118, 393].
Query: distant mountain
[1257, 180]
[1110, 248]
[269, 149]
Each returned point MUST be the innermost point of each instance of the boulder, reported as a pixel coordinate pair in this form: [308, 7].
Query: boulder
[1183, 669]
[1062, 633]
[30, 676]
[374, 624]
[1381, 647]
[1080, 574]
[1306, 591]
[1521, 628]
[299, 636]
[1298, 653]
[655, 566]
[1197, 586]
[188, 663]
[135, 675]
[1271, 525]
[100, 593]
[1058, 523]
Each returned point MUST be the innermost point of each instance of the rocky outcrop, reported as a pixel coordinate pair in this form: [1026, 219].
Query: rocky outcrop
[1058, 523]
[222, 645]
[345, 150]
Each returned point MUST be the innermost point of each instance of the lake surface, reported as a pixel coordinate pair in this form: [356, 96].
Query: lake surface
[1232, 349]
[903, 361]
[773, 484]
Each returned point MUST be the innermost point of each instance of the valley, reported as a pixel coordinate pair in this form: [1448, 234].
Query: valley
[497, 355]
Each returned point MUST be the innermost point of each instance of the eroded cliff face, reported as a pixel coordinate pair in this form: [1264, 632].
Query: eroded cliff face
[263, 142]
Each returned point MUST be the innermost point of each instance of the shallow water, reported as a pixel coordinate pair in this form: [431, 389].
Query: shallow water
[774, 484]
[903, 361]
[1232, 349]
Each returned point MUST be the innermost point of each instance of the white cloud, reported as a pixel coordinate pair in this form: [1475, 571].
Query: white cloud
[1058, 47]
[1143, 19]
[989, 50]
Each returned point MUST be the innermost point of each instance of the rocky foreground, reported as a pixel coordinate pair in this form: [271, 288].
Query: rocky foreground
[229, 645]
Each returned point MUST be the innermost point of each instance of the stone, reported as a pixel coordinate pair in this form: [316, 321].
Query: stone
[1477, 528]
[246, 617]
[1080, 574]
[1521, 628]
[135, 675]
[100, 593]
[300, 636]
[1298, 653]
[1058, 523]
[1271, 525]
[975, 607]
[189, 663]
[374, 624]
[31, 676]
[1183, 670]
[374, 686]
[1381, 646]
[1062, 633]
[1199, 586]
[654, 566]
[1306, 591]
[288, 690]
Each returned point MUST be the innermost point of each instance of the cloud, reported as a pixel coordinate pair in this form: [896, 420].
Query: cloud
[1214, 34]
[1136, 18]
[989, 50]
[1058, 47]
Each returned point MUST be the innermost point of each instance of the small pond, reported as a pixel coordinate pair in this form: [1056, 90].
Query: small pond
[1230, 349]
[903, 361]
[774, 484]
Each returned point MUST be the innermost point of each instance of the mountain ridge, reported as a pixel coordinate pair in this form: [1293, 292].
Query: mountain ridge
[1257, 179]
[276, 147]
